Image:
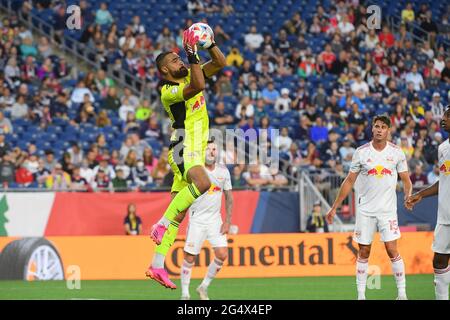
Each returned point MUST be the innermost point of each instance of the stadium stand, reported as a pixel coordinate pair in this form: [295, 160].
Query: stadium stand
[312, 68]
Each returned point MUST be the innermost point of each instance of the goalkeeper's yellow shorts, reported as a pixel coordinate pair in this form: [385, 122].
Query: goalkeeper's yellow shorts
[181, 160]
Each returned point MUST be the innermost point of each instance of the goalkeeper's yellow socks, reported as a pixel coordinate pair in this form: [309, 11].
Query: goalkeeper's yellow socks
[181, 202]
[166, 242]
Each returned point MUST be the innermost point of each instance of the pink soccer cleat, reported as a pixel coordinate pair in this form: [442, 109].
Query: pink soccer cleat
[157, 233]
[161, 276]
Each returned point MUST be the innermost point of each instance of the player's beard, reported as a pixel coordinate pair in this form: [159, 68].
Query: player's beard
[210, 160]
[180, 73]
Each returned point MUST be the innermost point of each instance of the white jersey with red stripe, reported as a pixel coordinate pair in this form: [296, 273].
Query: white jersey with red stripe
[375, 187]
[206, 208]
[444, 183]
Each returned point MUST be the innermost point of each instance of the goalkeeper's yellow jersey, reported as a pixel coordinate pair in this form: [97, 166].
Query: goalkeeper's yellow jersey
[190, 115]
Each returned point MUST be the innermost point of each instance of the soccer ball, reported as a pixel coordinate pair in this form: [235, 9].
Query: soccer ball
[204, 33]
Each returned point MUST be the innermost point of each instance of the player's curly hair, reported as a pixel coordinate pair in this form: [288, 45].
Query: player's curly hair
[383, 118]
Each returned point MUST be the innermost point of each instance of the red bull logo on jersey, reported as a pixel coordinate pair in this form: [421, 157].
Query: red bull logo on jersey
[445, 168]
[379, 172]
[213, 189]
[199, 103]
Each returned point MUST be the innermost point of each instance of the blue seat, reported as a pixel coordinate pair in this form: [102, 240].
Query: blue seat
[60, 145]
[70, 130]
[116, 145]
[60, 122]
[33, 129]
[28, 136]
[33, 185]
[18, 129]
[155, 144]
[13, 185]
[54, 130]
[43, 145]
[51, 137]
[23, 145]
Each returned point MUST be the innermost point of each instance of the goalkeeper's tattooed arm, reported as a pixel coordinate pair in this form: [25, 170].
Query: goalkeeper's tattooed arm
[228, 205]
[228, 208]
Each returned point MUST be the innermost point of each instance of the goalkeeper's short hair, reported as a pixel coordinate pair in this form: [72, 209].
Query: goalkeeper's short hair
[160, 59]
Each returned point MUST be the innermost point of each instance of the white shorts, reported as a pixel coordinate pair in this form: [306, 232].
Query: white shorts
[366, 226]
[441, 242]
[198, 233]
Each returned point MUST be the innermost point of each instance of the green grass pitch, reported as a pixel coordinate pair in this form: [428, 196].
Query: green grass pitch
[303, 288]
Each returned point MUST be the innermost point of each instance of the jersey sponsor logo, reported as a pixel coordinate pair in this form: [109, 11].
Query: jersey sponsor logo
[174, 90]
[379, 172]
[199, 103]
[445, 168]
[214, 189]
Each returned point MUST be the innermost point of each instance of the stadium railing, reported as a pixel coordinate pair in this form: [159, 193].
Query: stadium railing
[298, 181]
[328, 184]
[416, 30]
[309, 194]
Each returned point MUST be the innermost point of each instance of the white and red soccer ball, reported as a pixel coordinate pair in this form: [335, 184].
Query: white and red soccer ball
[205, 34]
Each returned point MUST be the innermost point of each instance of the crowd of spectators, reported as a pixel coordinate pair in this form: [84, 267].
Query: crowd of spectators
[319, 80]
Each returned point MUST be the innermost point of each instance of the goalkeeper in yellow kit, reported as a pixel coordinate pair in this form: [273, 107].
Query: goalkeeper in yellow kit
[183, 100]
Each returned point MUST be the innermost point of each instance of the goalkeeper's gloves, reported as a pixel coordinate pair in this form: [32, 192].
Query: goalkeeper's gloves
[190, 46]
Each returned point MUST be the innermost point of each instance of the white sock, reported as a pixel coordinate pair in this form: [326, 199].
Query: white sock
[441, 282]
[398, 269]
[213, 268]
[164, 221]
[186, 271]
[158, 260]
[361, 277]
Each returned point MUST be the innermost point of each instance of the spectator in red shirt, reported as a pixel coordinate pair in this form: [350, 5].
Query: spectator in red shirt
[386, 37]
[385, 69]
[23, 176]
[418, 178]
[328, 56]
[378, 54]
[29, 70]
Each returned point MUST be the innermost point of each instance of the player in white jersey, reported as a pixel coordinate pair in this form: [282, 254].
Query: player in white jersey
[205, 223]
[374, 171]
[441, 243]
